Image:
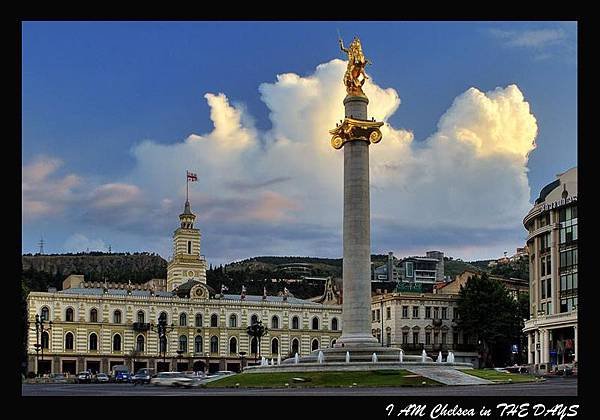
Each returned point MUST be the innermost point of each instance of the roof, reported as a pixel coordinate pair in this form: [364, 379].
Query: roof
[114, 292]
[547, 190]
[259, 298]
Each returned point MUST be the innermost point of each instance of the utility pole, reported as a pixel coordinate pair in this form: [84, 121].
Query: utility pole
[41, 245]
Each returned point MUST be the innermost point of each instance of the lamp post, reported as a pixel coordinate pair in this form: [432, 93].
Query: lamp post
[179, 356]
[39, 329]
[162, 329]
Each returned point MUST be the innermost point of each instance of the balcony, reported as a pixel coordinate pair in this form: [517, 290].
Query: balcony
[141, 326]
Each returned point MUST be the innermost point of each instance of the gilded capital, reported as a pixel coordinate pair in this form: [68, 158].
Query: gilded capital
[351, 129]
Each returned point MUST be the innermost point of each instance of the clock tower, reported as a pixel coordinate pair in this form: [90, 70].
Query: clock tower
[187, 263]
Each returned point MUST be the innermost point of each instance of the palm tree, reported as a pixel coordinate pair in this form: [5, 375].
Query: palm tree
[257, 330]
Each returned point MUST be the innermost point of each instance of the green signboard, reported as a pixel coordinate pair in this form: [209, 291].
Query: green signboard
[409, 287]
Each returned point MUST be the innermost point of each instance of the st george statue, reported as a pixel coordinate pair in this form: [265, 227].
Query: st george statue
[355, 76]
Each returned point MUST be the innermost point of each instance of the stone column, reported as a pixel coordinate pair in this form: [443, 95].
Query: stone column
[536, 354]
[530, 347]
[544, 346]
[575, 342]
[356, 328]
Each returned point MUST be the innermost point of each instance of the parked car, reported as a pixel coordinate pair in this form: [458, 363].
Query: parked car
[142, 376]
[84, 377]
[120, 373]
[102, 377]
[58, 378]
[175, 379]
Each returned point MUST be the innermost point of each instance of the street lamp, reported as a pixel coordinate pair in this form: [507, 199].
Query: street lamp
[179, 356]
[162, 329]
[39, 329]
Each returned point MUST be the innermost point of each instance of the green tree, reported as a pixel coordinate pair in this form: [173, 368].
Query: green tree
[492, 316]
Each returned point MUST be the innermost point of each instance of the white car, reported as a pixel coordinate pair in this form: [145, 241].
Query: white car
[174, 379]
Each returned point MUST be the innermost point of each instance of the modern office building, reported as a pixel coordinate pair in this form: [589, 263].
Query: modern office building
[553, 274]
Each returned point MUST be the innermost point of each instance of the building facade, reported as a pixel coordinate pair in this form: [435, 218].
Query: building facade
[424, 270]
[422, 321]
[178, 323]
[553, 274]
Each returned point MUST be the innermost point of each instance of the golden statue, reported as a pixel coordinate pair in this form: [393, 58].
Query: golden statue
[355, 75]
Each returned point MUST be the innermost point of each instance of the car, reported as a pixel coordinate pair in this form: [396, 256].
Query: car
[102, 377]
[142, 376]
[175, 379]
[122, 376]
[84, 377]
[58, 378]
[224, 373]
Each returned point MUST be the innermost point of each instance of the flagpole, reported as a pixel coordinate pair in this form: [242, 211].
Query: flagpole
[187, 187]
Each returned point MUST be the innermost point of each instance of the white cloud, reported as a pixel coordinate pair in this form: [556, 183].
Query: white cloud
[81, 243]
[535, 38]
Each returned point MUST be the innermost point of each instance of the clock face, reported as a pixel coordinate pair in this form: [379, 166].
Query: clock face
[190, 273]
[198, 292]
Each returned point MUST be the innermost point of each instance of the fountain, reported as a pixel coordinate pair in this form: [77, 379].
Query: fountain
[439, 358]
[347, 357]
[320, 356]
[374, 358]
[450, 358]
[278, 359]
[272, 362]
[423, 356]
[401, 356]
[296, 358]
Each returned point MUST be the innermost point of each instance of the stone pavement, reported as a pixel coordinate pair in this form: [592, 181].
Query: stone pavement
[448, 376]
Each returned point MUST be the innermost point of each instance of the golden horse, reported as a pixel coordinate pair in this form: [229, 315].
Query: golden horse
[355, 76]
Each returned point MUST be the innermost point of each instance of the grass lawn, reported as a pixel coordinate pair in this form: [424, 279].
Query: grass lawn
[500, 377]
[323, 379]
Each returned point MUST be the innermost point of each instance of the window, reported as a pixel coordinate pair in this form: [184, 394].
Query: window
[334, 324]
[275, 322]
[314, 345]
[436, 337]
[436, 312]
[198, 320]
[409, 269]
[139, 343]
[549, 308]
[415, 337]
[456, 314]
[428, 312]
[568, 258]
[233, 321]
[214, 320]
[444, 337]
[543, 287]
[141, 318]
[93, 342]
[373, 315]
[388, 312]
[45, 340]
[388, 339]
[198, 344]
[93, 315]
[163, 316]
[189, 243]
[69, 341]
[405, 337]
[295, 323]
[45, 315]
[183, 319]
[378, 314]
[548, 265]
[415, 312]
[233, 345]
[543, 266]
[214, 344]
[549, 288]
[183, 343]
[444, 313]
[455, 338]
[254, 345]
[275, 346]
[404, 312]
[69, 315]
[427, 337]
[315, 323]
[117, 317]
[295, 346]
[116, 342]
[545, 242]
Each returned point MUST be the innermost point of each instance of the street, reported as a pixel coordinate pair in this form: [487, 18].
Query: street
[561, 386]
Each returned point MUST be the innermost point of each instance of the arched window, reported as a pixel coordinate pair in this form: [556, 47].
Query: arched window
[141, 317]
[254, 345]
[45, 340]
[214, 320]
[45, 314]
[315, 323]
[314, 345]
[334, 324]
[183, 343]
[254, 319]
[275, 322]
[93, 341]
[198, 344]
[233, 345]
[139, 343]
[69, 341]
[295, 346]
[214, 344]
[232, 321]
[189, 243]
[117, 317]
[117, 342]
[183, 319]
[198, 320]
[295, 323]
[69, 315]
[163, 315]
[333, 342]
[94, 315]
[275, 346]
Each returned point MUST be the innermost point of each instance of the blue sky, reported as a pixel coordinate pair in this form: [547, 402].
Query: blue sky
[94, 92]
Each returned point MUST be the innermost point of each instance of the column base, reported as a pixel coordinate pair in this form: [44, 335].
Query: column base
[356, 340]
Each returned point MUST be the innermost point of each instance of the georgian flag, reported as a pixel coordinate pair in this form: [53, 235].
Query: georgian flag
[192, 176]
